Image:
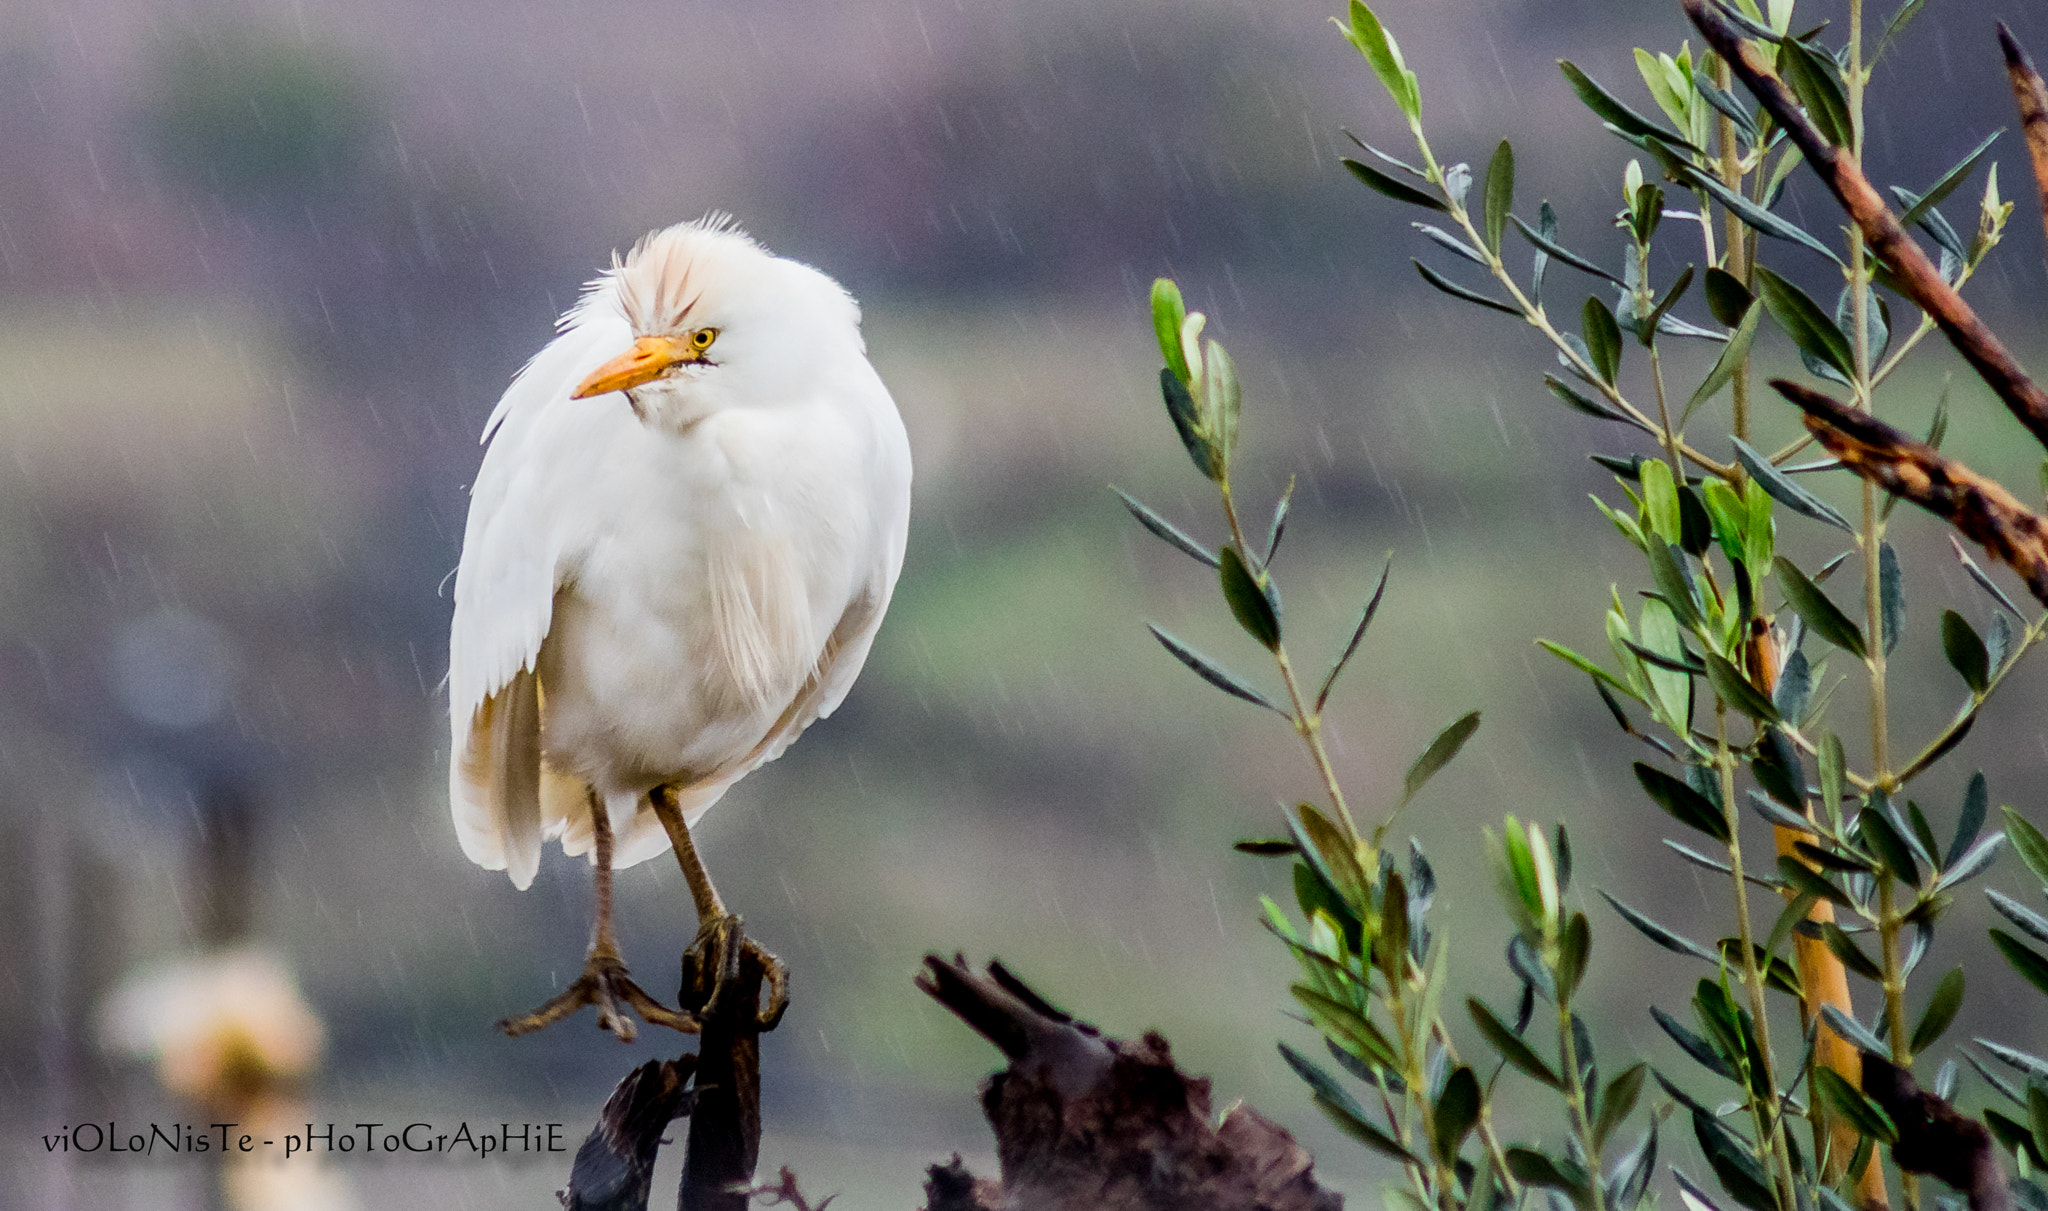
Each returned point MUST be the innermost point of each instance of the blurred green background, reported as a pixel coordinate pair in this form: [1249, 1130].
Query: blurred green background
[265, 267]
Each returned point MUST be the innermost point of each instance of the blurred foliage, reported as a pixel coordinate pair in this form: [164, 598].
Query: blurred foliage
[241, 113]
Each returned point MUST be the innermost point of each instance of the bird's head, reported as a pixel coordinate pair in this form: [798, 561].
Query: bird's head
[718, 322]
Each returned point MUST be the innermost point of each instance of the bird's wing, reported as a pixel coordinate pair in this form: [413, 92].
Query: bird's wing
[517, 549]
[846, 648]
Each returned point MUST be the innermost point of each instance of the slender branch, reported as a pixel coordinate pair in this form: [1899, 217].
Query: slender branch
[1770, 1122]
[1982, 509]
[1915, 276]
[1308, 723]
[1486, 1132]
[1539, 319]
[1575, 1099]
[2032, 96]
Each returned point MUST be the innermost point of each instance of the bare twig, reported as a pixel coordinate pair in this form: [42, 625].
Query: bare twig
[784, 1193]
[1914, 274]
[2032, 96]
[1983, 510]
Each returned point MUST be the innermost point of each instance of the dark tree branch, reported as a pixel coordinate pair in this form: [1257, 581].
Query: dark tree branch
[1934, 1137]
[725, 1128]
[1086, 1122]
[615, 1165]
[1984, 511]
[2032, 96]
[1914, 274]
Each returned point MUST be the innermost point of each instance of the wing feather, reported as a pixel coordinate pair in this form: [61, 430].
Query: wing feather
[518, 548]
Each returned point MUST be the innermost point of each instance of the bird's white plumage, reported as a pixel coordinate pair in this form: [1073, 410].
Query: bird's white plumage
[669, 589]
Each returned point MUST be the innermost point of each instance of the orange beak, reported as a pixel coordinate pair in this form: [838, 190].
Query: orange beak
[644, 362]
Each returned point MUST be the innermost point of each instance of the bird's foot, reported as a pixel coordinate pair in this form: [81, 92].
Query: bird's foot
[605, 985]
[713, 964]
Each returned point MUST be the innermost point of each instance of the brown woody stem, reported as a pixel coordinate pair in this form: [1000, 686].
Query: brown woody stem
[1984, 511]
[1913, 274]
[2032, 96]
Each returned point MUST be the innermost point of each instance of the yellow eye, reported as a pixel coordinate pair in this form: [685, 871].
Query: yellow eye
[701, 339]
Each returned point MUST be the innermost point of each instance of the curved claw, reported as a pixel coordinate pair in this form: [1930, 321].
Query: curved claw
[778, 987]
[602, 984]
[718, 949]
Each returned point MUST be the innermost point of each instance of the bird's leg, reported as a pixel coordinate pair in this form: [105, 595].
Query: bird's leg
[713, 960]
[604, 982]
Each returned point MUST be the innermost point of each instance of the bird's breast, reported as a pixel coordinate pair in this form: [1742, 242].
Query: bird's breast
[719, 561]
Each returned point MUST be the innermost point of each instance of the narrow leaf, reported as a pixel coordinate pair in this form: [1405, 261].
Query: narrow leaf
[1693, 1045]
[1456, 291]
[1549, 247]
[1279, 524]
[1357, 635]
[1209, 671]
[1852, 1031]
[1849, 1104]
[1614, 112]
[1168, 314]
[1948, 182]
[2032, 846]
[1581, 403]
[1984, 581]
[1438, 754]
[1670, 940]
[2030, 963]
[1732, 356]
[1392, 186]
[1510, 1045]
[1820, 614]
[1457, 1111]
[1682, 802]
[1173, 535]
[1603, 339]
[1891, 594]
[1617, 1101]
[2035, 925]
[1736, 690]
[1965, 651]
[1452, 244]
[1940, 1011]
[1500, 193]
[1785, 492]
[1804, 321]
[1253, 604]
[1843, 947]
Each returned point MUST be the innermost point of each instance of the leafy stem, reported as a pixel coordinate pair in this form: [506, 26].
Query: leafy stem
[1534, 314]
[1308, 722]
[1770, 1122]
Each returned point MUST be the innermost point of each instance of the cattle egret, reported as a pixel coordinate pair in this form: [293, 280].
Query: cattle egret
[680, 544]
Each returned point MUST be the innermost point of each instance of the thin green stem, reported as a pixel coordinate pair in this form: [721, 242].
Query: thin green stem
[1534, 314]
[1738, 264]
[1912, 769]
[1575, 1094]
[1307, 723]
[1771, 1120]
[1486, 1132]
[1671, 438]
[1414, 1062]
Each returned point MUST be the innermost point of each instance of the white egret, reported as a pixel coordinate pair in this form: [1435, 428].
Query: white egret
[682, 539]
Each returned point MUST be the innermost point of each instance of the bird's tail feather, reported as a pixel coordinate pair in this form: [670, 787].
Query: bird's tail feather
[494, 782]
